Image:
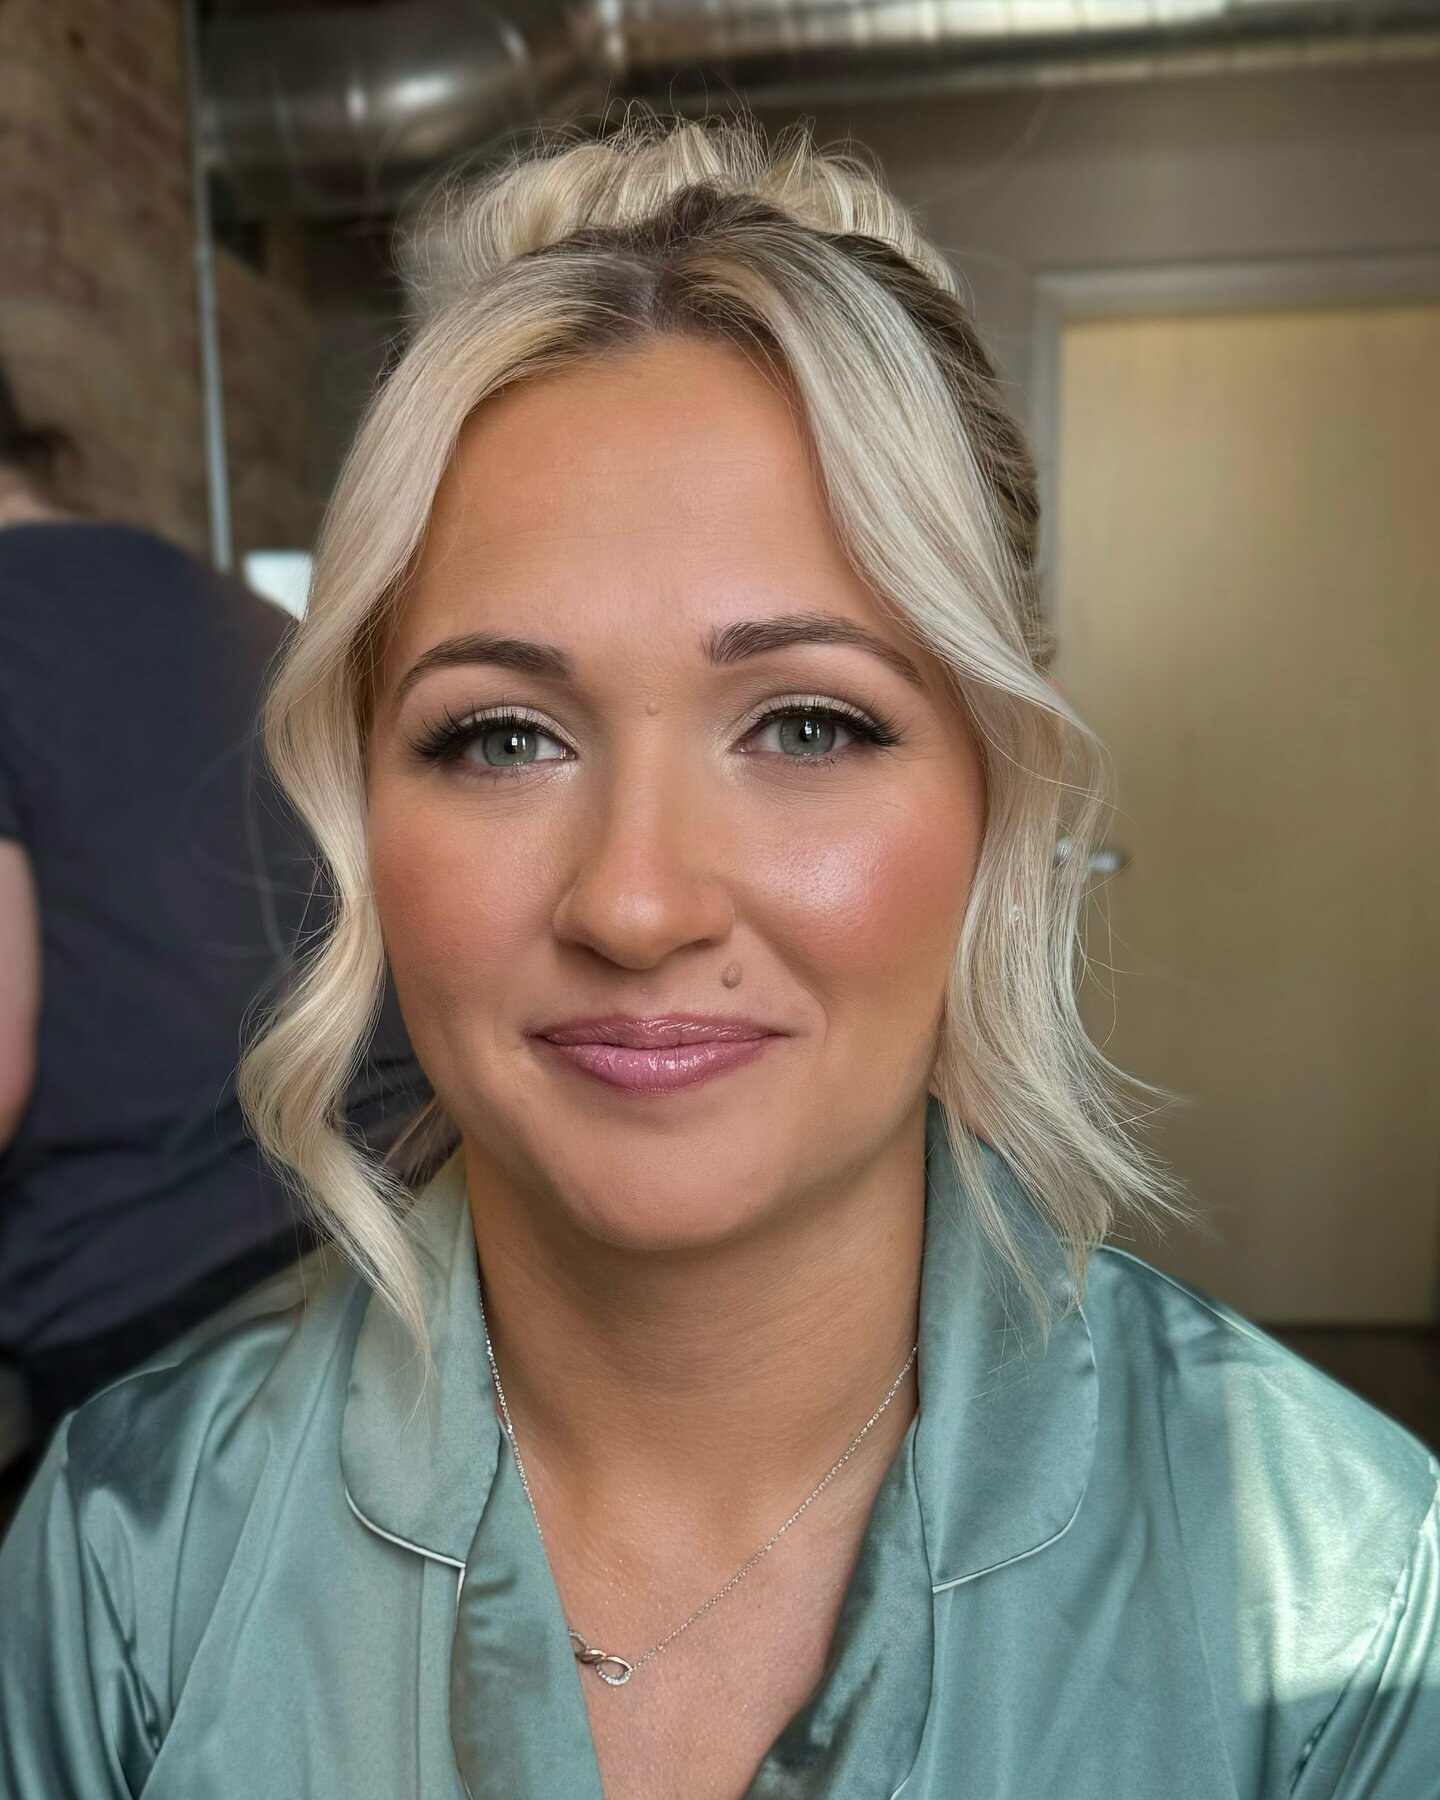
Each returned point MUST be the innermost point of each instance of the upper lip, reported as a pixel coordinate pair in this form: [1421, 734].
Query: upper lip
[656, 1031]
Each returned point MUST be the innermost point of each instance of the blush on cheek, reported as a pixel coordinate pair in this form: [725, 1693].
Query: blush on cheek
[885, 900]
[445, 904]
[867, 919]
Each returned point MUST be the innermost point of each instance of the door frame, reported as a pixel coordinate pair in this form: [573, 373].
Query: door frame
[1061, 296]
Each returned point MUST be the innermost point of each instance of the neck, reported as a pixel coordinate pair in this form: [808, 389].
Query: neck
[721, 1385]
[21, 503]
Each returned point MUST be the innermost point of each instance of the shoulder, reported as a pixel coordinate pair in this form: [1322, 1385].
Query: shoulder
[1297, 1527]
[1286, 1491]
[112, 576]
[159, 1475]
[267, 1368]
[1195, 1363]
[112, 582]
[149, 1499]
[84, 551]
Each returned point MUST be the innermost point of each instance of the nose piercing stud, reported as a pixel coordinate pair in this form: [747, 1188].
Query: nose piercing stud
[730, 975]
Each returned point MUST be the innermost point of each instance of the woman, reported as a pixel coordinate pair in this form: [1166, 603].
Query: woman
[148, 896]
[744, 1408]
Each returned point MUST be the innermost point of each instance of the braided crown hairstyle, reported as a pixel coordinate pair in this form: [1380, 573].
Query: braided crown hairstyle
[579, 247]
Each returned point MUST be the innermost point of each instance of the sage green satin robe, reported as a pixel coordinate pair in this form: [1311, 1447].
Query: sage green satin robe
[1166, 1560]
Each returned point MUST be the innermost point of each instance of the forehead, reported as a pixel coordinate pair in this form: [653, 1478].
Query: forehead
[658, 491]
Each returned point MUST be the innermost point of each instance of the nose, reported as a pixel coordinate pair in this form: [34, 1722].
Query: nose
[646, 880]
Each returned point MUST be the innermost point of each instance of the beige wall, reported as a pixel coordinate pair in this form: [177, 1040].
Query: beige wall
[1305, 163]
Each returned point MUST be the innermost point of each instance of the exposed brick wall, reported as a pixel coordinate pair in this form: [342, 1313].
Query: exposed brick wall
[97, 316]
[97, 287]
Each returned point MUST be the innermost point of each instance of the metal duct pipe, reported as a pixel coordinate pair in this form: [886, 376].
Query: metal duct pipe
[344, 110]
[341, 110]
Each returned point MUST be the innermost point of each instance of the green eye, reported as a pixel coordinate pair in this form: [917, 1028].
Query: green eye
[808, 734]
[503, 746]
[501, 741]
[511, 744]
[805, 732]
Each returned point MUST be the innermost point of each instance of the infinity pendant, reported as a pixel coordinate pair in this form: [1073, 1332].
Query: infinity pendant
[602, 1663]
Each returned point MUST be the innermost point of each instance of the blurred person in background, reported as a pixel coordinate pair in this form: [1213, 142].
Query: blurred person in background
[153, 886]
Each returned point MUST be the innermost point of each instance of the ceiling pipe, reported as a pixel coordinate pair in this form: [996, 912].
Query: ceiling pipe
[346, 110]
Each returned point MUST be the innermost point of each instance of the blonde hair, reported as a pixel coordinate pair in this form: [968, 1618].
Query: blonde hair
[800, 256]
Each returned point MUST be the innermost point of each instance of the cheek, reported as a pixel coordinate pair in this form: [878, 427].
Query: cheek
[451, 909]
[873, 900]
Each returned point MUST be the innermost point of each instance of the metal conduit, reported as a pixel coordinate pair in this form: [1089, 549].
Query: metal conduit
[342, 110]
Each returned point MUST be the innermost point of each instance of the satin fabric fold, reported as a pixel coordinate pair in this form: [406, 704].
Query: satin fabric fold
[860, 1731]
[511, 1646]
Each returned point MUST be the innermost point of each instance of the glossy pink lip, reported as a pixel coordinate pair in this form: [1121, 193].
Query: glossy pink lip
[657, 1055]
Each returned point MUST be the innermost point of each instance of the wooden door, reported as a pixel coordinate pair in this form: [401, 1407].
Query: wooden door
[1247, 593]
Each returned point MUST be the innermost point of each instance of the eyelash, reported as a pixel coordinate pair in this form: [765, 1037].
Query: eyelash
[447, 740]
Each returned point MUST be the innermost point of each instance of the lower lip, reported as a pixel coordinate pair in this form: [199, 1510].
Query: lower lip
[663, 1071]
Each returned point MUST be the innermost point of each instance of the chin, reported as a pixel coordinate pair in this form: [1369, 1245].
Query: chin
[650, 1175]
[659, 1198]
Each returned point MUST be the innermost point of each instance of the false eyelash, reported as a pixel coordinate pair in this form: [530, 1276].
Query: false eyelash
[449, 735]
[871, 727]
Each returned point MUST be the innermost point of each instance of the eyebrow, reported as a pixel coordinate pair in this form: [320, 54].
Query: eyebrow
[726, 645]
[753, 637]
[484, 647]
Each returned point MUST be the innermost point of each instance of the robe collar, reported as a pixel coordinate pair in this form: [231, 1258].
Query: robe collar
[1002, 1444]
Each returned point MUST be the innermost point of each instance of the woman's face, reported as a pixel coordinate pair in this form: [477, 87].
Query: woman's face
[640, 728]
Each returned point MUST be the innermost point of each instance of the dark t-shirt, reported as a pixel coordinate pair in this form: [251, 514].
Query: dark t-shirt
[174, 886]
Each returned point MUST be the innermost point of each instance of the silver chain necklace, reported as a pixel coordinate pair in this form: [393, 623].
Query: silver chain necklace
[614, 1670]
